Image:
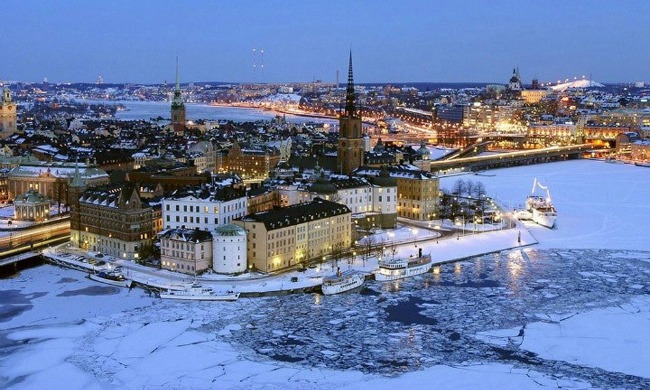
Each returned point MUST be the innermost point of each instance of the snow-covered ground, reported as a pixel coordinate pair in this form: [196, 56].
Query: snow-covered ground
[569, 312]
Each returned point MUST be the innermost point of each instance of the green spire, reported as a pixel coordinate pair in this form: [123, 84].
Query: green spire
[177, 100]
[77, 181]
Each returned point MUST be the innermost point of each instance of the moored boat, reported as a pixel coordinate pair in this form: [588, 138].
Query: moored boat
[645, 164]
[196, 292]
[392, 269]
[114, 278]
[342, 281]
[541, 208]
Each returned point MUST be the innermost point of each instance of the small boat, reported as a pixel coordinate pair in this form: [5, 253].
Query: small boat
[196, 292]
[114, 278]
[342, 281]
[645, 164]
[404, 267]
[541, 208]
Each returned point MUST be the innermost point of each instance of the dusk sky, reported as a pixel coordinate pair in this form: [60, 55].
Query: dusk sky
[391, 41]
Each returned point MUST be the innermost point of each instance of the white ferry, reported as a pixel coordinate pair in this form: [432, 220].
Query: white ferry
[342, 281]
[541, 208]
[196, 292]
[114, 278]
[399, 268]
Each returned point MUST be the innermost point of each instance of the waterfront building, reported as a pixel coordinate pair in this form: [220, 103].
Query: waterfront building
[604, 135]
[640, 150]
[229, 249]
[31, 206]
[203, 207]
[540, 135]
[113, 219]
[178, 107]
[350, 148]
[289, 236]
[8, 123]
[188, 251]
[418, 194]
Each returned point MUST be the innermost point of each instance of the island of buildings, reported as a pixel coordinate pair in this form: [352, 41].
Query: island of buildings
[197, 195]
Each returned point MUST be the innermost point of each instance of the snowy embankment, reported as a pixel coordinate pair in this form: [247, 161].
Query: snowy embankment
[60, 330]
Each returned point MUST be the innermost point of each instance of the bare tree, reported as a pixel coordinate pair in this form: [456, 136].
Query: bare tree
[479, 190]
[459, 187]
[470, 187]
[368, 245]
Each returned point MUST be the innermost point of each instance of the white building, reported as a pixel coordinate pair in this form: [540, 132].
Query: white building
[372, 201]
[186, 250]
[31, 206]
[203, 207]
[229, 249]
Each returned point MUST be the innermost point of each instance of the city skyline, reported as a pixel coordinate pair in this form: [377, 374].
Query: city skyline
[416, 41]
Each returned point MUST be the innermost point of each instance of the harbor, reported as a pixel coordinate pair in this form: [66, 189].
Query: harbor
[443, 248]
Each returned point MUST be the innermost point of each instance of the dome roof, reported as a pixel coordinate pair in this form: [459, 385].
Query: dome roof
[230, 229]
[322, 186]
[423, 150]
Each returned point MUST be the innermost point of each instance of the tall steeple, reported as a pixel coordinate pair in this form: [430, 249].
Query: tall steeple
[349, 154]
[178, 107]
[349, 92]
[178, 82]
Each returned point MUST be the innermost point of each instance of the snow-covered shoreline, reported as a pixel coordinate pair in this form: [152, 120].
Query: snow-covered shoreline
[578, 298]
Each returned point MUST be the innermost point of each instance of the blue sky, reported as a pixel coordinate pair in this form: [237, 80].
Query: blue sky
[392, 41]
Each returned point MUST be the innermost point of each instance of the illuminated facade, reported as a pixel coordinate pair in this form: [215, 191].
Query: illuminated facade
[113, 220]
[188, 251]
[31, 206]
[418, 194]
[282, 238]
[203, 207]
[249, 163]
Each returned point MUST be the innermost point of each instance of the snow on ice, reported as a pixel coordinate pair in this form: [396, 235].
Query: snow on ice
[571, 311]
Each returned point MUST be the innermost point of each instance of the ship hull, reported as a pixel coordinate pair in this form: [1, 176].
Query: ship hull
[189, 297]
[544, 218]
[118, 283]
[346, 285]
[386, 274]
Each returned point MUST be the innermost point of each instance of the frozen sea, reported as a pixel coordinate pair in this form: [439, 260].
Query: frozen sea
[137, 110]
[570, 312]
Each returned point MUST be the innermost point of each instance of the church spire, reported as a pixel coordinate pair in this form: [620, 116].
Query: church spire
[77, 181]
[349, 95]
[178, 83]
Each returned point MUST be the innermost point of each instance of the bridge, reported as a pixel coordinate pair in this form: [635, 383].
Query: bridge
[523, 157]
[19, 247]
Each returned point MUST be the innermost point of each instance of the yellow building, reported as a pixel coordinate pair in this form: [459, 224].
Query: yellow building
[417, 191]
[282, 238]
